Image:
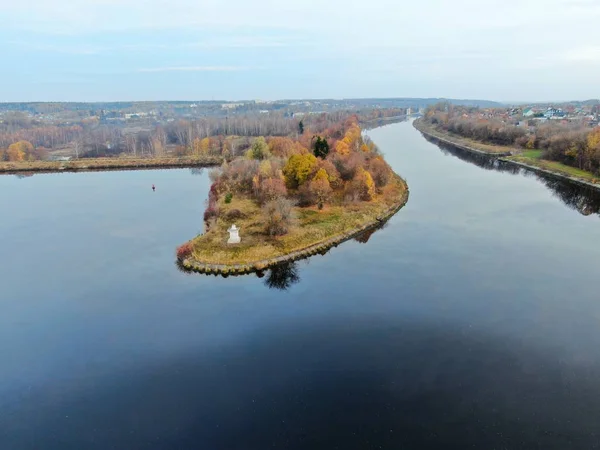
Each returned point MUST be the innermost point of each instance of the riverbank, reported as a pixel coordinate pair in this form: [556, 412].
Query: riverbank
[464, 144]
[96, 164]
[381, 121]
[316, 232]
[530, 160]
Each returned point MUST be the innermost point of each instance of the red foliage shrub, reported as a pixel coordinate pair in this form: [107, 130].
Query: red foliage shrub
[347, 166]
[212, 211]
[380, 171]
[184, 251]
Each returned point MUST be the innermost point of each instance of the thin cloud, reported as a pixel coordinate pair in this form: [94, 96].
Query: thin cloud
[240, 42]
[587, 54]
[194, 69]
[58, 48]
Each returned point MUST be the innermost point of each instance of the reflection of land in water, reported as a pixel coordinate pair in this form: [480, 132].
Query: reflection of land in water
[282, 276]
[583, 199]
[285, 275]
[197, 170]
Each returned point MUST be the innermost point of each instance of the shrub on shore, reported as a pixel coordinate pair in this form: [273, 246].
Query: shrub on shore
[278, 215]
[184, 251]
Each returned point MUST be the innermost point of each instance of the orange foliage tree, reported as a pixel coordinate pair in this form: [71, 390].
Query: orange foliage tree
[320, 188]
[20, 151]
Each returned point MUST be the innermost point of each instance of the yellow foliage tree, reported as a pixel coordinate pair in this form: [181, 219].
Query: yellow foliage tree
[320, 188]
[196, 148]
[321, 175]
[342, 148]
[298, 168]
[205, 145]
[19, 151]
[364, 185]
[593, 139]
[265, 168]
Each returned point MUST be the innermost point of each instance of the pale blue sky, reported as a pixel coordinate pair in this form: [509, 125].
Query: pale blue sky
[103, 50]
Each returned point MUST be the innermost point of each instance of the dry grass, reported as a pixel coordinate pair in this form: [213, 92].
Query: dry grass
[556, 167]
[312, 227]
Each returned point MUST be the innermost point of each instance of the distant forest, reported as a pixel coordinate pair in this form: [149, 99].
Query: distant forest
[23, 138]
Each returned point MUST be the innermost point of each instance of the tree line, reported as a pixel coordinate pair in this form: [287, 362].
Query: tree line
[575, 145]
[210, 135]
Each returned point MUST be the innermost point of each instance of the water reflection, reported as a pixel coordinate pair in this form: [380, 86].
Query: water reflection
[283, 276]
[363, 238]
[22, 175]
[197, 170]
[583, 199]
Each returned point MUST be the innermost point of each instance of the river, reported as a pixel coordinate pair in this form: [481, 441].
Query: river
[470, 321]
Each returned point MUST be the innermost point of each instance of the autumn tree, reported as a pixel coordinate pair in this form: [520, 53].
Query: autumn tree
[259, 149]
[271, 189]
[19, 151]
[281, 146]
[362, 186]
[342, 147]
[592, 155]
[348, 165]
[320, 188]
[196, 148]
[298, 168]
[201, 146]
[333, 176]
[278, 216]
[380, 171]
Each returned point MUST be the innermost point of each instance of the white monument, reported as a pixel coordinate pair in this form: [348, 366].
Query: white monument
[234, 235]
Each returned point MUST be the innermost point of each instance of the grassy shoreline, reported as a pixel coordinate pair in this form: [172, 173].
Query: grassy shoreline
[316, 232]
[468, 144]
[82, 165]
[531, 159]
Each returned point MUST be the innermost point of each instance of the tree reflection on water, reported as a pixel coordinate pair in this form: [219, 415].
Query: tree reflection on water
[282, 276]
[581, 198]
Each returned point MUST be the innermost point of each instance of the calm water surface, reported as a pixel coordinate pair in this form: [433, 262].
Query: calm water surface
[471, 321]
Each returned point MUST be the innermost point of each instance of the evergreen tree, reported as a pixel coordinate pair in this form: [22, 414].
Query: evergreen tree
[300, 128]
[321, 149]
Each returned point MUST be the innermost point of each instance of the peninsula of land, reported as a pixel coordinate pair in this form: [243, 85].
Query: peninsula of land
[293, 197]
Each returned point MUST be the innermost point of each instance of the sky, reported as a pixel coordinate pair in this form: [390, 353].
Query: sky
[110, 50]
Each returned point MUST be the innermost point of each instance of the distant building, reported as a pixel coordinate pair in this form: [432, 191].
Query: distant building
[231, 105]
[554, 113]
[528, 112]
